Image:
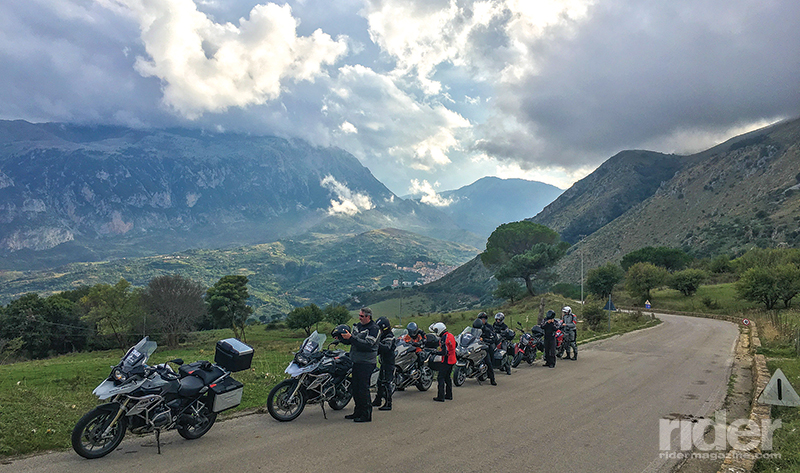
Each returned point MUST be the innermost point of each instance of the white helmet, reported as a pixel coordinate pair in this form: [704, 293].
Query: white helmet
[438, 328]
[566, 310]
[499, 316]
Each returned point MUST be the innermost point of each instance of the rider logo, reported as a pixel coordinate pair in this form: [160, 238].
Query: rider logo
[741, 434]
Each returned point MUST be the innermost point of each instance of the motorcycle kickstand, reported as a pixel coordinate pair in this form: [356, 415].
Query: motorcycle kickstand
[158, 440]
[323, 411]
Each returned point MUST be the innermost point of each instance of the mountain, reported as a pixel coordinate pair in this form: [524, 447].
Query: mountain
[490, 201]
[312, 268]
[740, 194]
[79, 193]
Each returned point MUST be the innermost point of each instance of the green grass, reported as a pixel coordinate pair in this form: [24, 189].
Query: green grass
[716, 299]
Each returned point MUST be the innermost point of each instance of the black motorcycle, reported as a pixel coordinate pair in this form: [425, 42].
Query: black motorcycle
[147, 399]
[528, 345]
[317, 376]
[470, 357]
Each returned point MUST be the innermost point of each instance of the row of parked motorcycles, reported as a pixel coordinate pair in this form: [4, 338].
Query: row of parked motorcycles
[143, 399]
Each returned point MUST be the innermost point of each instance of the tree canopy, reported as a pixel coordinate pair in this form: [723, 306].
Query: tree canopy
[227, 304]
[641, 278]
[523, 250]
[305, 317]
[175, 305]
[600, 281]
[671, 259]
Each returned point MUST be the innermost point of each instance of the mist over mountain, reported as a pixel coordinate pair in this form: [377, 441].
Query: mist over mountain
[79, 193]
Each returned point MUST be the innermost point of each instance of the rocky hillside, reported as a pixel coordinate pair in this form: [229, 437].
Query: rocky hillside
[75, 193]
[737, 195]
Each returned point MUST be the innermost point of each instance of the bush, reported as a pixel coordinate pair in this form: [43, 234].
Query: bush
[594, 316]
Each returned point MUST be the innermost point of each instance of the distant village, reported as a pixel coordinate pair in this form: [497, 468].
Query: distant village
[428, 271]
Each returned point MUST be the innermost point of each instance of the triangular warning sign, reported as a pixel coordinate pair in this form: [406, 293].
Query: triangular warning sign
[610, 306]
[779, 392]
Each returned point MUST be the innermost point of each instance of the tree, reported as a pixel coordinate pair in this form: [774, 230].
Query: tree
[523, 250]
[112, 309]
[600, 281]
[304, 317]
[227, 304]
[641, 278]
[510, 290]
[759, 284]
[671, 259]
[175, 305]
[336, 314]
[787, 280]
[688, 280]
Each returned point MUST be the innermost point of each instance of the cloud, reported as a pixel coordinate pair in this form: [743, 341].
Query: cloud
[207, 66]
[429, 195]
[349, 202]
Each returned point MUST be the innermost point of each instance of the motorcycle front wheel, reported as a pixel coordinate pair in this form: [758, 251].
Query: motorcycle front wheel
[88, 438]
[282, 406]
[342, 397]
[200, 420]
[517, 360]
[507, 365]
[459, 376]
[425, 379]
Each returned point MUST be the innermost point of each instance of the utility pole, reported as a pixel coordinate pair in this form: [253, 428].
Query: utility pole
[581, 243]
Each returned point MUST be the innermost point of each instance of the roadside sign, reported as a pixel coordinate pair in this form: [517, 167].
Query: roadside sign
[746, 321]
[610, 306]
[779, 392]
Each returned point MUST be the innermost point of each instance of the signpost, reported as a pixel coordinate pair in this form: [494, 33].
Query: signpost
[609, 307]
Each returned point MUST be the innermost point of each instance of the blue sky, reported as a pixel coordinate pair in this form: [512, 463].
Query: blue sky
[429, 94]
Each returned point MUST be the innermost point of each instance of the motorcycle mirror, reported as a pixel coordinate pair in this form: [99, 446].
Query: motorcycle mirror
[177, 361]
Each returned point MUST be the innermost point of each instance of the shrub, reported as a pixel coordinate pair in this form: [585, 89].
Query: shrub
[594, 316]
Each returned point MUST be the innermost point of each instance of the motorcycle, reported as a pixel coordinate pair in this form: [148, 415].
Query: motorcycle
[528, 344]
[470, 357]
[503, 355]
[317, 376]
[561, 341]
[147, 399]
[410, 367]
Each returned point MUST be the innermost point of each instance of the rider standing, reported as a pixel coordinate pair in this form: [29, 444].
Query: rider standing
[386, 346]
[569, 322]
[364, 343]
[490, 339]
[550, 327]
[447, 350]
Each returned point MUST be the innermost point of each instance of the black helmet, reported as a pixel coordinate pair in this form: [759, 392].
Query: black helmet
[339, 330]
[550, 314]
[383, 324]
[483, 315]
[412, 329]
[477, 323]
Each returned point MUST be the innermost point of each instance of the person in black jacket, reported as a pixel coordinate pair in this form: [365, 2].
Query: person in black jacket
[550, 327]
[364, 351]
[386, 346]
[490, 339]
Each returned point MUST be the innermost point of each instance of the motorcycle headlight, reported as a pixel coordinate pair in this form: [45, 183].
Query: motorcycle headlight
[301, 359]
[118, 376]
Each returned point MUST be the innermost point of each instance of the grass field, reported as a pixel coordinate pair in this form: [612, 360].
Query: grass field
[40, 401]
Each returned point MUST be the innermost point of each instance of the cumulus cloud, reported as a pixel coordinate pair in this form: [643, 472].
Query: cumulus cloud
[207, 66]
[429, 194]
[347, 202]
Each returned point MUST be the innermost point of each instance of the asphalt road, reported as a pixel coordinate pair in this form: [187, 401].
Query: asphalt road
[598, 414]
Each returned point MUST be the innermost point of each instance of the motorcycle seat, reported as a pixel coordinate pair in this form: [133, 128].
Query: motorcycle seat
[190, 386]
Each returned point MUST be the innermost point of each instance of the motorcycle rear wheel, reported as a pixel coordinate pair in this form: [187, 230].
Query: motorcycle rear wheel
[279, 404]
[202, 419]
[87, 436]
[425, 379]
[517, 360]
[342, 397]
[459, 376]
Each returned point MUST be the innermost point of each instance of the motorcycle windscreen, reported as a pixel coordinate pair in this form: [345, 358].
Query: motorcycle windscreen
[313, 343]
[138, 354]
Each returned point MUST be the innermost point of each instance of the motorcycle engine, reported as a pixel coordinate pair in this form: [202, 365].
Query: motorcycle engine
[161, 416]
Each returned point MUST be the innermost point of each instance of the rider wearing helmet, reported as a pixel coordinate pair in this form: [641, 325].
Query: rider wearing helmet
[414, 336]
[364, 349]
[490, 339]
[499, 325]
[447, 350]
[569, 322]
[386, 345]
[549, 326]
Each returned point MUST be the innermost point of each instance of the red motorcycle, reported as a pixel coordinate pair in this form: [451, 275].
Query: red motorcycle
[528, 344]
[561, 341]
